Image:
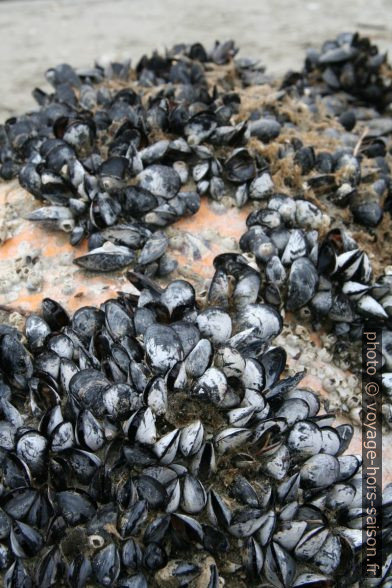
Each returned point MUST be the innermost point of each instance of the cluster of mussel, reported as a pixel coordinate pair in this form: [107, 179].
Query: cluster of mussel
[156, 441]
[97, 156]
[118, 160]
[94, 154]
[356, 172]
[352, 64]
[328, 281]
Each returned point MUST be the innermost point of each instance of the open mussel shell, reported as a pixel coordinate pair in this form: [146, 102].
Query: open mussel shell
[240, 167]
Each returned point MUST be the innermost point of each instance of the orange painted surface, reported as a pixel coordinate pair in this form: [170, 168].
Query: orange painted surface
[230, 223]
[212, 227]
[94, 288]
[88, 289]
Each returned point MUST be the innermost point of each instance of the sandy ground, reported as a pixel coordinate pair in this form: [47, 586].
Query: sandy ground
[36, 34]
